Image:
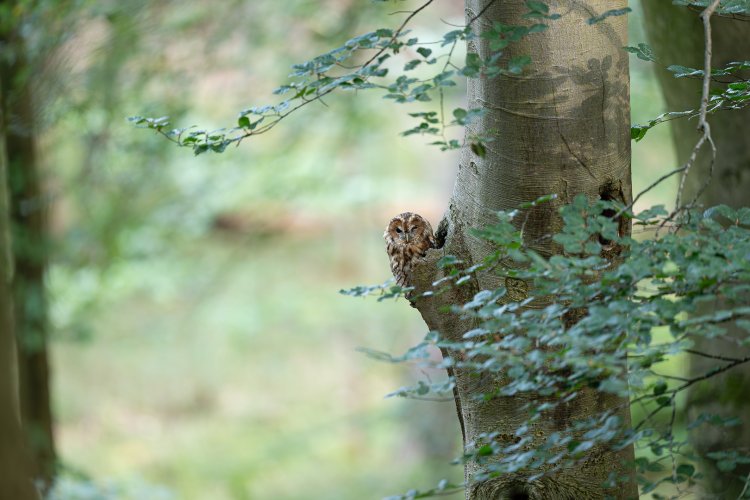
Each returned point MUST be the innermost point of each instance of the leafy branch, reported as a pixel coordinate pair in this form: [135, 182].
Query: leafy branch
[338, 70]
[620, 310]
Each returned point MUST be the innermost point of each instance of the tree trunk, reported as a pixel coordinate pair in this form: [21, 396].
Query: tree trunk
[676, 35]
[15, 471]
[30, 256]
[27, 210]
[562, 127]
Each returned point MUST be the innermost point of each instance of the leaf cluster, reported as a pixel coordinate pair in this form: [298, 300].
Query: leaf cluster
[591, 321]
[726, 7]
[730, 91]
[365, 62]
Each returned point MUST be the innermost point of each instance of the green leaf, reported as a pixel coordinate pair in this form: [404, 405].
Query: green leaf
[642, 51]
[412, 64]
[664, 401]
[424, 52]
[473, 65]
[726, 465]
[638, 132]
[535, 6]
[516, 65]
[609, 13]
[384, 33]
[684, 71]
[478, 149]
[686, 470]
[484, 451]
[538, 28]
[460, 113]
[660, 388]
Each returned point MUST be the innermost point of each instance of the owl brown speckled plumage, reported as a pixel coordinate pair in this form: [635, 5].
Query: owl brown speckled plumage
[408, 236]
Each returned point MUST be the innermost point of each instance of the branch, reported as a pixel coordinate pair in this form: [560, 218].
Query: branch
[702, 123]
[219, 140]
[652, 186]
[710, 374]
[712, 356]
[735, 17]
[398, 31]
[484, 9]
[744, 489]
[673, 393]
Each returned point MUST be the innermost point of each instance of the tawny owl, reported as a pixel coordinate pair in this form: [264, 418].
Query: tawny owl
[407, 238]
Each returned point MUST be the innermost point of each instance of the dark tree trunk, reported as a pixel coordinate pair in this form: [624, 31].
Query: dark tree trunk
[28, 228]
[16, 478]
[676, 35]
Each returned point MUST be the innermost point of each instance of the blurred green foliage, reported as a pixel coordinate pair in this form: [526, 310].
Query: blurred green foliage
[200, 346]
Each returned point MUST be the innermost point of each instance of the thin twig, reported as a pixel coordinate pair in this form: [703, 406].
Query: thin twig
[712, 356]
[653, 185]
[484, 9]
[669, 377]
[400, 29]
[744, 489]
[671, 447]
[710, 374]
[703, 125]
[430, 398]
[673, 393]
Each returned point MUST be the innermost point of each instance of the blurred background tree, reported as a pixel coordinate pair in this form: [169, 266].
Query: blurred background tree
[15, 467]
[676, 35]
[198, 344]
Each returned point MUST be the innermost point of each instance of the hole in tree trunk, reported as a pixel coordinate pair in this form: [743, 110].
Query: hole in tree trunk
[441, 233]
[609, 213]
[611, 192]
[518, 495]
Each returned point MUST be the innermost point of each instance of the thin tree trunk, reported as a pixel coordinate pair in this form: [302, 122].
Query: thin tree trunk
[15, 471]
[30, 257]
[28, 225]
[676, 35]
[562, 127]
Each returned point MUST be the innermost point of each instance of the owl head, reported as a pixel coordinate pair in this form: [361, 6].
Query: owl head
[409, 229]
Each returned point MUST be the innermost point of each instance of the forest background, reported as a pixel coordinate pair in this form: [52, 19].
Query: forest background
[199, 345]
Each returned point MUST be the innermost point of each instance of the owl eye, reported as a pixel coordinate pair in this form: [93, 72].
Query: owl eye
[398, 230]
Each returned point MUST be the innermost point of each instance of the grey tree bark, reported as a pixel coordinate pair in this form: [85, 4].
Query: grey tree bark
[562, 127]
[676, 35]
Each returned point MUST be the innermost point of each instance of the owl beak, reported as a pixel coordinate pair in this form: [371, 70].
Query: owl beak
[406, 237]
